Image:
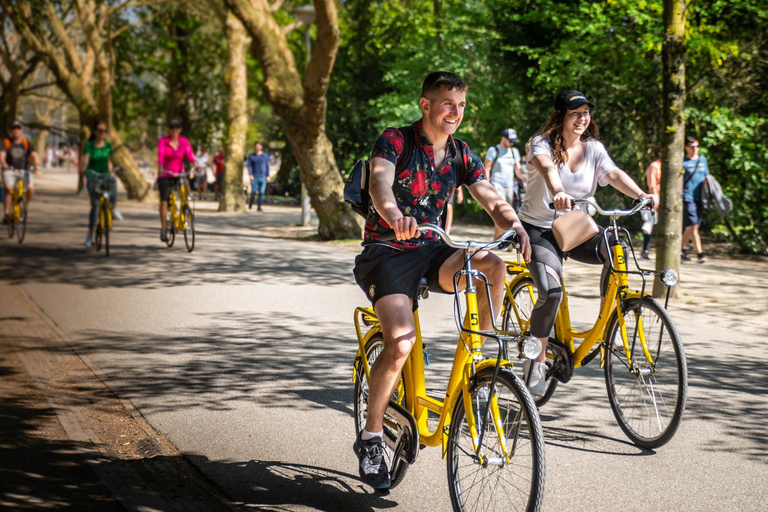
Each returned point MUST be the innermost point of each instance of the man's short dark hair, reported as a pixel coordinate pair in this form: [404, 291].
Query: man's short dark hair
[436, 80]
[690, 140]
[257, 142]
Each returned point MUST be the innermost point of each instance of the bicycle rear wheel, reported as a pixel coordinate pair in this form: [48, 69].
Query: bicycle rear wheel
[105, 213]
[373, 348]
[647, 397]
[97, 236]
[21, 227]
[516, 320]
[498, 484]
[188, 221]
[11, 226]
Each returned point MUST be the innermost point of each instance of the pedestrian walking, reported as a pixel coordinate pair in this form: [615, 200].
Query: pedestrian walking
[202, 161]
[503, 168]
[696, 170]
[218, 162]
[258, 171]
[653, 179]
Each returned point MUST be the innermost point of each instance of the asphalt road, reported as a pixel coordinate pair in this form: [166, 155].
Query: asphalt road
[240, 353]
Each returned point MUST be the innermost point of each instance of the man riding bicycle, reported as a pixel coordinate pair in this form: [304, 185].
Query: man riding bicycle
[389, 272]
[17, 153]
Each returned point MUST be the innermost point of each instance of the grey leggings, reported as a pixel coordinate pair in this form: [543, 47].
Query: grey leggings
[546, 268]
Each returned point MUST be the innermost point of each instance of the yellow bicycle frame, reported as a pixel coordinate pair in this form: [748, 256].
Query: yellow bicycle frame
[618, 290]
[102, 221]
[177, 214]
[17, 194]
[466, 363]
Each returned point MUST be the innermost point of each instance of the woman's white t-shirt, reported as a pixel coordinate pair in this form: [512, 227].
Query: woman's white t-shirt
[581, 184]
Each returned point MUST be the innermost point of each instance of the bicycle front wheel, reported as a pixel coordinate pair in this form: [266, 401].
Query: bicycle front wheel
[170, 231]
[647, 396]
[188, 221]
[21, 227]
[105, 212]
[517, 318]
[504, 481]
[373, 349]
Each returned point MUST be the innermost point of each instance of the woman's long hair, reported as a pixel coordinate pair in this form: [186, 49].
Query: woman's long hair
[552, 129]
[96, 127]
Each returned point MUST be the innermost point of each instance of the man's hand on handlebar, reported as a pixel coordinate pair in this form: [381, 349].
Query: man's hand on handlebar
[405, 228]
[524, 241]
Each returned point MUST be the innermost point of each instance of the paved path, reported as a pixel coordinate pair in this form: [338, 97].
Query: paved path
[239, 354]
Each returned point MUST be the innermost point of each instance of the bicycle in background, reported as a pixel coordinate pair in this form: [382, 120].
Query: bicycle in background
[486, 421]
[180, 216]
[101, 188]
[17, 223]
[646, 374]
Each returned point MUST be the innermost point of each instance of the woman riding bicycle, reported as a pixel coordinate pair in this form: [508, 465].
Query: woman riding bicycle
[97, 160]
[566, 160]
[171, 152]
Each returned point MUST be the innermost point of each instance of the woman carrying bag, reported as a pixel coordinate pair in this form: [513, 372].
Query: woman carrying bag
[566, 161]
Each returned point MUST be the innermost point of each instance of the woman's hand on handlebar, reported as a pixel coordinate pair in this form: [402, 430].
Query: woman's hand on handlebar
[562, 201]
[405, 228]
[653, 197]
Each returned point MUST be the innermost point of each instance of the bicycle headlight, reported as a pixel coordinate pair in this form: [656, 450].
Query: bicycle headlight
[669, 277]
[529, 346]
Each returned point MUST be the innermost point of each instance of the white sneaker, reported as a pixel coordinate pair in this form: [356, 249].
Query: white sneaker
[116, 214]
[88, 241]
[538, 380]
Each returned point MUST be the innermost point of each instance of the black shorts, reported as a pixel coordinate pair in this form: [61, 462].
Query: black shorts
[693, 211]
[164, 186]
[382, 270]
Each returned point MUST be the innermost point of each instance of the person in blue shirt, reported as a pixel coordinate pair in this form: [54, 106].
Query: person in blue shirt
[258, 170]
[696, 170]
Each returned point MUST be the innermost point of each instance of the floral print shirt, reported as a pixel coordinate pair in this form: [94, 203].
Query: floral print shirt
[421, 191]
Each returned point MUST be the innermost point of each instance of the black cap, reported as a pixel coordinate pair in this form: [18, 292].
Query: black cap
[175, 123]
[16, 124]
[570, 100]
[510, 134]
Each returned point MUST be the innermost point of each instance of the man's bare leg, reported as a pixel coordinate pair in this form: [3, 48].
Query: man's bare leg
[396, 318]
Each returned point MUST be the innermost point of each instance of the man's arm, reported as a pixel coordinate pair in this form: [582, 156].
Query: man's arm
[380, 188]
[488, 167]
[520, 173]
[3, 163]
[35, 159]
[501, 212]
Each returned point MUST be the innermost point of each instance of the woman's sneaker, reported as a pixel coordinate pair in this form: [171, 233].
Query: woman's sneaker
[373, 467]
[538, 379]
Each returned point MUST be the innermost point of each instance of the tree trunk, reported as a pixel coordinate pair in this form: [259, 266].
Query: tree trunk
[231, 198]
[42, 143]
[301, 106]
[53, 45]
[669, 230]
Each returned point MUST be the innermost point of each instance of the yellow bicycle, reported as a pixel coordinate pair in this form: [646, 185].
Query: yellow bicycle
[639, 346]
[180, 216]
[495, 453]
[17, 224]
[101, 188]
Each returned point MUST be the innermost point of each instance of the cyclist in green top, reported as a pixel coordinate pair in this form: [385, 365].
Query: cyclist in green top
[97, 159]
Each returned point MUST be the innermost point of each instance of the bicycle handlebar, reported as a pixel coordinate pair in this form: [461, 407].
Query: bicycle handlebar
[505, 237]
[639, 205]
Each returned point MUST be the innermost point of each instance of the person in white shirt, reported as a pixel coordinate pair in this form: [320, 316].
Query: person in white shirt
[566, 161]
[202, 162]
[503, 169]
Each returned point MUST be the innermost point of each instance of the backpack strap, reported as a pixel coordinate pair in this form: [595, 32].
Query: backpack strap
[459, 166]
[409, 144]
[25, 143]
[7, 144]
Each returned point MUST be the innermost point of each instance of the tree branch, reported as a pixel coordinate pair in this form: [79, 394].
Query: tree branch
[276, 6]
[287, 29]
[135, 24]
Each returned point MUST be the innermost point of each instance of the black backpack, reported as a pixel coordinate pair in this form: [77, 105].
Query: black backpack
[356, 186]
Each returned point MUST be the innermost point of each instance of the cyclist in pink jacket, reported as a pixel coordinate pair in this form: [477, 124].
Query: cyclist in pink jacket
[171, 152]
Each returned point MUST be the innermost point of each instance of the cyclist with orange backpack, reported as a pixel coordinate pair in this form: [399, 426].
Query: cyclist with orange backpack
[17, 152]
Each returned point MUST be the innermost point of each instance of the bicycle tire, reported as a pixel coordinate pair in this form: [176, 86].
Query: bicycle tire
[373, 348]
[11, 225]
[170, 231]
[188, 221]
[474, 486]
[21, 227]
[640, 402]
[97, 236]
[105, 211]
[521, 294]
